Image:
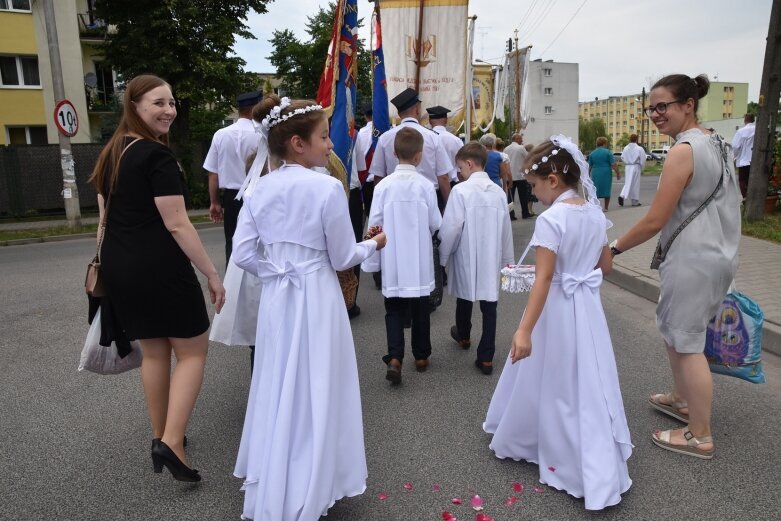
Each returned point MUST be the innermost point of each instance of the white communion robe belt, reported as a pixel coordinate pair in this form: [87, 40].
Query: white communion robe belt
[290, 273]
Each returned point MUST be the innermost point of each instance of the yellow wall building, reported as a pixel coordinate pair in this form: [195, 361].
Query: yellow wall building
[624, 115]
[26, 86]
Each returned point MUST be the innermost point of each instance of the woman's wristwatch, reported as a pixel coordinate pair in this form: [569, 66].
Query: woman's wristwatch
[613, 250]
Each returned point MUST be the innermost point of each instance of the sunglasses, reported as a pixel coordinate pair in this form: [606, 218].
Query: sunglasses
[660, 107]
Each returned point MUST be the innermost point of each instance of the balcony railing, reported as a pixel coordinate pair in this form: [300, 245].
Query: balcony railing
[91, 28]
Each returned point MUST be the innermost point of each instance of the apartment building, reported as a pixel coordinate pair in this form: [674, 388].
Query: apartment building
[553, 101]
[624, 114]
[26, 86]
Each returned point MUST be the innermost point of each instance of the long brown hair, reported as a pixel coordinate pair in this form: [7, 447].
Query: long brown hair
[131, 122]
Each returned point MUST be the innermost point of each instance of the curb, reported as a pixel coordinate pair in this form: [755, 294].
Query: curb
[647, 288]
[74, 236]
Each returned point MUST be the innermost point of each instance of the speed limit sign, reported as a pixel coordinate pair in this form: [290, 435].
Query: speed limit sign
[66, 119]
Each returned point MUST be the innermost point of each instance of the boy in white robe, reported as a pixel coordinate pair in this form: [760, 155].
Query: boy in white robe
[476, 242]
[405, 205]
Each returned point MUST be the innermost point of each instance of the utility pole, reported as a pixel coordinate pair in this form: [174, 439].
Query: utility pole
[642, 122]
[517, 83]
[764, 137]
[70, 191]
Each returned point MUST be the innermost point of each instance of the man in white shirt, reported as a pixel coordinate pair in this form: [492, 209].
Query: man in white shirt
[363, 144]
[743, 145]
[226, 163]
[434, 166]
[518, 154]
[437, 116]
[633, 157]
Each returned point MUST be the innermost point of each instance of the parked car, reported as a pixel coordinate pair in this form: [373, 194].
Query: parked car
[650, 156]
[617, 155]
[661, 152]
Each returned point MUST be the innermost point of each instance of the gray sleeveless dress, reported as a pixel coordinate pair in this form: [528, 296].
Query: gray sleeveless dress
[703, 259]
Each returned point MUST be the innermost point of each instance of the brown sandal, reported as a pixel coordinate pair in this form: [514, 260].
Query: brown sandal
[662, 439]
[672, 408]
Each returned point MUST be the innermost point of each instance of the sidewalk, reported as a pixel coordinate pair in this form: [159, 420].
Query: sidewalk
[758, 261]
[37, 225]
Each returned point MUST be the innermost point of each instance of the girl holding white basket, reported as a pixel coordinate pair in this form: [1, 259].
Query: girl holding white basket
[558, 403]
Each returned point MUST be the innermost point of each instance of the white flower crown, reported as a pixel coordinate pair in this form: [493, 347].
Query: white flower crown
[544, 159]
[275, 117]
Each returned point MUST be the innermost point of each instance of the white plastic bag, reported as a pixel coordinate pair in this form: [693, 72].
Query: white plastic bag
[237, 323]
[105, 360]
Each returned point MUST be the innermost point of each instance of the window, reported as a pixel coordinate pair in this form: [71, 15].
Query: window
[547, 72]
[15, 5]
[19, 71]
[27, 135]
[549, 110]
[105, 84]
[548, 91]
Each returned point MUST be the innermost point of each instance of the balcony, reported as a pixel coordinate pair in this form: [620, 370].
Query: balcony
[91, 29]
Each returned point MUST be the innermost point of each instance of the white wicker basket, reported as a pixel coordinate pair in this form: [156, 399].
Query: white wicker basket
[518, 278]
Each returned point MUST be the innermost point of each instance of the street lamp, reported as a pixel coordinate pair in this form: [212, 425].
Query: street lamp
[642, 120]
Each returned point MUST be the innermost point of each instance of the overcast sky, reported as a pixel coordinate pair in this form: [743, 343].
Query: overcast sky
[621, 46]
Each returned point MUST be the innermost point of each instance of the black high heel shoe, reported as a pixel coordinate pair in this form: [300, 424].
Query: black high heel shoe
[163, 456]
[155, 440]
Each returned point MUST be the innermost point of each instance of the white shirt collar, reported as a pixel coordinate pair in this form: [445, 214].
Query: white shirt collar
[407, 168]
[478, 175]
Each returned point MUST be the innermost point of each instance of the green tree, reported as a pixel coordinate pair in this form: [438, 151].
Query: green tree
[623, 141]
[589, 131]
[189, 43]
[300, 63]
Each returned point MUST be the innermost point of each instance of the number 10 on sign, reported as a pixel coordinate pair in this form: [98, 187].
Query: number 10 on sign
[66, 119]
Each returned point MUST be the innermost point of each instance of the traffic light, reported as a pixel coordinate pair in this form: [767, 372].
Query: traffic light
[509, 45]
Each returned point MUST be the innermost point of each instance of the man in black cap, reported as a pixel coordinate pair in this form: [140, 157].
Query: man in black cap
[437, 116]
[435, 166]
[226, 163]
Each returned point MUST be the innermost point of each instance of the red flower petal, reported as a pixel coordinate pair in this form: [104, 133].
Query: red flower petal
[436, 487]
[483, 517]
[407, 486]
[517, 487]
[477, 502]
[382, 496]
[552, 469]
[510, 501]
[539, 489]
[447, 516]
[456, 501]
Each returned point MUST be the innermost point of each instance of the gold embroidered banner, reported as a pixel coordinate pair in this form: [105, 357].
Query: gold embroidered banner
[433, 53]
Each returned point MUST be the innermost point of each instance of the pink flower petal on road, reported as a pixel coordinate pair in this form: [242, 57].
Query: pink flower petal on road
[539, 489]
[382, 496]
[408, 486]
[436, 487]
[510, 501]
[517, 487]
[477, 502]
[483, 517]
[447, 516]
[552, 469]
[456, 501]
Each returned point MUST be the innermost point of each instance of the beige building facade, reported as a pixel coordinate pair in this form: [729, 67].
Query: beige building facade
[624, 114]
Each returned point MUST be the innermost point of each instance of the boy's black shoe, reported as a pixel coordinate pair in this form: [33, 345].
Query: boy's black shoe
[462, 343]
[620, 201]
[393, 374]
[485, 367]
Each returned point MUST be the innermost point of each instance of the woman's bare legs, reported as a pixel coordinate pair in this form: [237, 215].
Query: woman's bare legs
[156, 377]
[693, 383]
[185, 385]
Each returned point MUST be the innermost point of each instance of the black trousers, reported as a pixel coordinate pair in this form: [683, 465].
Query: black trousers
[355, 205]
[743, 172]
[523, 189]
[230, 216]
[420, 310]
[487, 346]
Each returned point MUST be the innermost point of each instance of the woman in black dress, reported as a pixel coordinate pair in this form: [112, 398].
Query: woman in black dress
[148, 252]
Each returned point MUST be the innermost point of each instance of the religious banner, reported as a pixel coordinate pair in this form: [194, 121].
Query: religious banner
[381, 116]
[482, 96]
[337, 90]
[425, 43]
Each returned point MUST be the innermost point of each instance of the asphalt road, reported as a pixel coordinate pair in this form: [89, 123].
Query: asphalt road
[75, 446]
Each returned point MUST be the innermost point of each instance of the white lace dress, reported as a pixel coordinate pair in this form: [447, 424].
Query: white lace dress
[561, 408]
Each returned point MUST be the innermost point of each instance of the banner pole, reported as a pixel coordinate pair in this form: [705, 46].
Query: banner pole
[420, 47]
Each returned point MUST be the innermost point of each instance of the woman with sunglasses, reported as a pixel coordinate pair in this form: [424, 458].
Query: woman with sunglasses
[697, 210]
